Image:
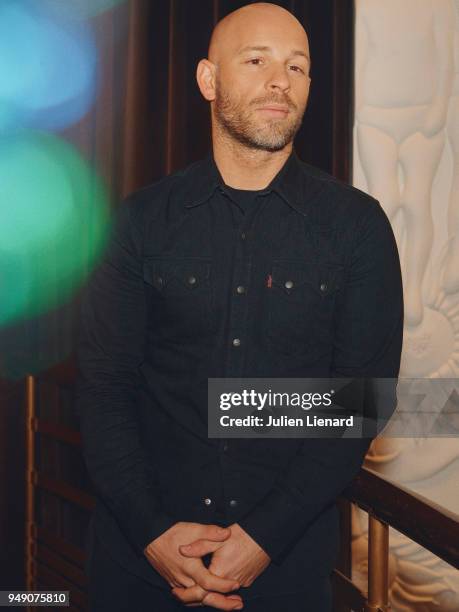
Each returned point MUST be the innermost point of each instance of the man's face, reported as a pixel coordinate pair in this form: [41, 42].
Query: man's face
[256, 78]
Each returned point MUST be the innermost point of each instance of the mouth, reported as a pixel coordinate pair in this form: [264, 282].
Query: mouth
[275, 111]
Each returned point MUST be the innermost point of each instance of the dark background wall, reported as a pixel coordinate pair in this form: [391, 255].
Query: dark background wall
[148, 121]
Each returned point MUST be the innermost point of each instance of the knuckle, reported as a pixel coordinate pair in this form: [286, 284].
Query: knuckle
[188, 582]
[208, 598]
[190, 549]
[205, 583]
[217, 570]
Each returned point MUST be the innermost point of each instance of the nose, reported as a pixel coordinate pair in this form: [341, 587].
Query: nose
[278, 78]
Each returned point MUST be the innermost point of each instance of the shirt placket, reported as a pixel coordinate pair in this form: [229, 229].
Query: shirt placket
[237, 337]
[243, 236]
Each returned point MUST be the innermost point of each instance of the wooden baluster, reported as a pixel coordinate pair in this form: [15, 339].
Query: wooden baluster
[378, 565]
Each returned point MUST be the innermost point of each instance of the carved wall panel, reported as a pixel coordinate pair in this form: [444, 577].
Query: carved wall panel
[406, 154]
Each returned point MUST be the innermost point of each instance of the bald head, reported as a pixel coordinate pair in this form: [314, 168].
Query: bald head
[250, 22]
[256, 77]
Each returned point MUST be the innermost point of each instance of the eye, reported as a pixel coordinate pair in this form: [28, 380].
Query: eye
[254, 59]
[297, 69]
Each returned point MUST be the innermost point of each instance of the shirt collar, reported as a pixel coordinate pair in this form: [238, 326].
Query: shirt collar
[291, 183]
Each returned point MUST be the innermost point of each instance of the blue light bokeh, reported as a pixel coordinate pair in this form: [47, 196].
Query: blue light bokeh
[80, 9]
[48, 69]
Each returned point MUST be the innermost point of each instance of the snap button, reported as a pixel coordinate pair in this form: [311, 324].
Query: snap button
[289, 284]
[240, 289]
[233, 503]
[243, 235]
[207, 501]
[236, 341]
[160, 280]
[192, 280]
[323, 286]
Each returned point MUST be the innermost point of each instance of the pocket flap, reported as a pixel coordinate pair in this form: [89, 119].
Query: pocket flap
[191, 273]
[323, 278]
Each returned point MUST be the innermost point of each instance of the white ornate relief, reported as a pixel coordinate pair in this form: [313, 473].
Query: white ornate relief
[406, 154]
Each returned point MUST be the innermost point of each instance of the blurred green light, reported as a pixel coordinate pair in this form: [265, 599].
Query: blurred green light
[54, 221]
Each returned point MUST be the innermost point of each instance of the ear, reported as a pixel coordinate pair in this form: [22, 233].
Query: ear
[205, 76]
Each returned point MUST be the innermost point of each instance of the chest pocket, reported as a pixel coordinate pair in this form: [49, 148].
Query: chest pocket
[180, 297]
[301, 305]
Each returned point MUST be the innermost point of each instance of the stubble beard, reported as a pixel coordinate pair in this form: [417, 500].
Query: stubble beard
[237, 121]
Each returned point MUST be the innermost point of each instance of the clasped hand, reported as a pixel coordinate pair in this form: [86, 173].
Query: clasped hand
[236, 562]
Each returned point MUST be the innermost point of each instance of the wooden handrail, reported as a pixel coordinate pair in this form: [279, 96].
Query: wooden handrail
[63, 374]
[76, 554]
[436, 528]
[50, 558]
[62, 489]
[55, 581]
[57, 432]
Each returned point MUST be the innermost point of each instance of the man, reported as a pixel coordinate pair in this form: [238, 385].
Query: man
[248, 263]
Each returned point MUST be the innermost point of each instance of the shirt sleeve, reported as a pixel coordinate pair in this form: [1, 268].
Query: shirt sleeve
[367, 343]
[110, 347]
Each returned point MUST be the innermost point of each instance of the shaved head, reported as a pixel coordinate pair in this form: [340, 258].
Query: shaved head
[256, 76]
[244, 22]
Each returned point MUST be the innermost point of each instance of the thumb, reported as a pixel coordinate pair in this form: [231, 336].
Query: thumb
[198, 548]
[216, 533]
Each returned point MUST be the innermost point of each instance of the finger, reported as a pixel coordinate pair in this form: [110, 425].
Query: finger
[212, 582]
[196, 594]
[223, 602]
[184, 581]
[215, 533]
[193, 594]
[238, 606]
[195, 597]
[176, 580]
[198, 548]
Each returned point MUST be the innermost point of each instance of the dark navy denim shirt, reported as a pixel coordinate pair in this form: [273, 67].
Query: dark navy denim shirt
[305, 282]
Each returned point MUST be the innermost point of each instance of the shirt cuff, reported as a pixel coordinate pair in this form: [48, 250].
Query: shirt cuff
[141, 520]
[275, 524]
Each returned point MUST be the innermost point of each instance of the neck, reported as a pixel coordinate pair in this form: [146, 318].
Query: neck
[244, 168]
